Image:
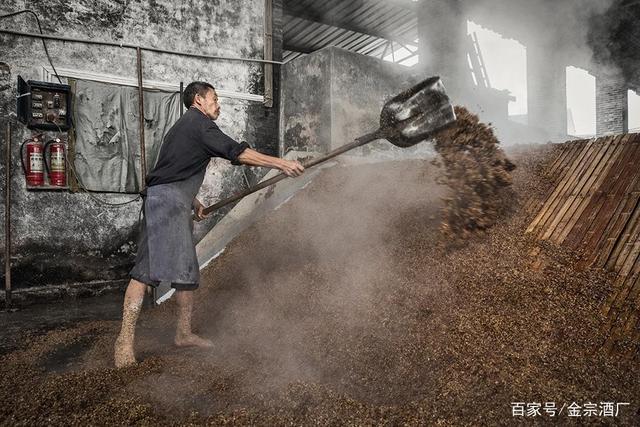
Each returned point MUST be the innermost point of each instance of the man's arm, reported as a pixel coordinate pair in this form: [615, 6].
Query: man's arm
[254, 158]
[217, 144]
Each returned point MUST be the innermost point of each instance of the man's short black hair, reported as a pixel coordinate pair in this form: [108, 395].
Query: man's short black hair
[193, 88]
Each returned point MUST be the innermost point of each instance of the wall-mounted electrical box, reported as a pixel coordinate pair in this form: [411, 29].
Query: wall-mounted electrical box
[44, 105]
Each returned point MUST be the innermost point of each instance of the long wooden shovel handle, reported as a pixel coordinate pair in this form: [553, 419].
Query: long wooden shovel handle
[365, 139]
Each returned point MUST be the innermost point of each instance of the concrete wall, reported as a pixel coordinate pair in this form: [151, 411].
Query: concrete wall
[591, 35]
[332, 96]
[306, 103]
[59, 237]
[443, 47]
[442, 30]
[612, 105]
[547, 91]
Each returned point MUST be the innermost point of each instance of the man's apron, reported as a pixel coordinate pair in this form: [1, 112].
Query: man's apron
[166, 249]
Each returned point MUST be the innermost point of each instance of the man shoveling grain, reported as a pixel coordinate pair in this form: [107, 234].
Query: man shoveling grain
[166, 251]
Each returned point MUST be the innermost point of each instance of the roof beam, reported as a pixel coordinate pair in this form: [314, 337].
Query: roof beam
[314, 16]
[630, 3]
[297, 48]
[404, 4]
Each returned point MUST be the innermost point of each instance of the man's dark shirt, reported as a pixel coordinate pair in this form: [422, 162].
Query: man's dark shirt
[188, 147]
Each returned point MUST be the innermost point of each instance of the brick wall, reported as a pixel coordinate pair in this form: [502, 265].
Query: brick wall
[611, 105]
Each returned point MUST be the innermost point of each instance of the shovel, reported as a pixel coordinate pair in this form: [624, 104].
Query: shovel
[406, 119]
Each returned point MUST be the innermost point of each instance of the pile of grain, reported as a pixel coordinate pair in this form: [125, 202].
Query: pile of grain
[477, 172]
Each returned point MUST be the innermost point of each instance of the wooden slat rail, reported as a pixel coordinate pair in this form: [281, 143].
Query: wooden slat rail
[593, 207]
[564, 153]
[581, 188]
[551, 202]
[588, 192]
[591, 219]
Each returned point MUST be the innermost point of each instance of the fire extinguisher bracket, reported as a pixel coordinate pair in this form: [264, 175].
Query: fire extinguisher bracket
[47, 187]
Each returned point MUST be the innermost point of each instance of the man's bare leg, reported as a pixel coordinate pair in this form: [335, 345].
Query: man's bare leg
[184, 336]
[124, 354]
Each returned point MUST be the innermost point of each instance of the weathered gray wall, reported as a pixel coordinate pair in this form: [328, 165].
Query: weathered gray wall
[360, 85]
[305, 103]
[60, 237]
[333, 96]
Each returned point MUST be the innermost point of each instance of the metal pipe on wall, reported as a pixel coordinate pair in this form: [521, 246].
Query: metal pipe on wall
[132, 46]
[143, 160]
[268, 53]
[7, 217]
[47, 76]
[181, 98]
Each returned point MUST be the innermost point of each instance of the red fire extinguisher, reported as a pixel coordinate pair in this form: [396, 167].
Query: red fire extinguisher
[56, 167]
[34, 167]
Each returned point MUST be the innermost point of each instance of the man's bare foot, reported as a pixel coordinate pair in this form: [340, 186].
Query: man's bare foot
[188, 340]
[123, 354]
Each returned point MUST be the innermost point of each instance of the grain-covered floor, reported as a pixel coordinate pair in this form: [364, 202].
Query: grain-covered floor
[348, 306]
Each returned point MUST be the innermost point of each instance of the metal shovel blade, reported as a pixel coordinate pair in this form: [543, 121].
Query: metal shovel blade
[415, 114]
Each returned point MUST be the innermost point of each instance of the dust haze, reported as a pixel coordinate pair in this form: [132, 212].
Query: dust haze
[310, 280]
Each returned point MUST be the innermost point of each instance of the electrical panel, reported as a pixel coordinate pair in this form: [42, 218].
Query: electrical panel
[44, 105]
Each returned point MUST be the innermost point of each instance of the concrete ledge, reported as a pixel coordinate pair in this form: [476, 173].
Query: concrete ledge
[24, 297]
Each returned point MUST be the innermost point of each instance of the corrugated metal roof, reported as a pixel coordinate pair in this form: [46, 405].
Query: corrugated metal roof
[362, 26]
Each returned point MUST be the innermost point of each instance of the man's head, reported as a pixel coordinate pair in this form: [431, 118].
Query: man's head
[202, 95]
